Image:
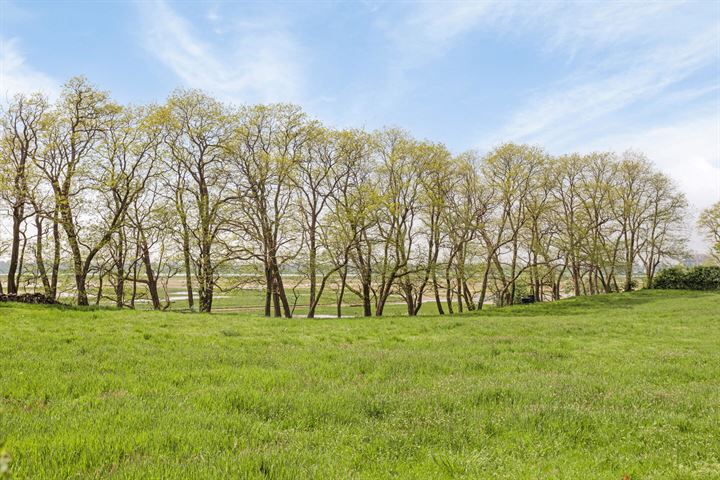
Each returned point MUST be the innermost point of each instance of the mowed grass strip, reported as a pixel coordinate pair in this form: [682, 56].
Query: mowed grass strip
[602, 387]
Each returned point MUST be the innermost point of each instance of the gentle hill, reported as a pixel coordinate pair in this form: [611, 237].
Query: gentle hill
[593, 387]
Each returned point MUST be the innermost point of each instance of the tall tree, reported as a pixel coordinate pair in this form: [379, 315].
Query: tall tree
[398, 216]
[631, 206]
[509, 172]
[130, 148]
[77, 124]
[435, 186]
[663, 235]
[355, 203]
[268, 147]
[316, 177]
[19, 143]
[44, 209]
[198, 133]
[465, 215]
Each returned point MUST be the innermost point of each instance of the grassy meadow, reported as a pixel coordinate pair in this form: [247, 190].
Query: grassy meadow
[602, 387]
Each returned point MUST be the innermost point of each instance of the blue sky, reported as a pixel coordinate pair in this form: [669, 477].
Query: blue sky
[566, 76]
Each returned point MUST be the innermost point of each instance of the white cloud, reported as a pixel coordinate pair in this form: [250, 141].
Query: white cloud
[430, 28]
[256, 65]
[569, 109]
[635, 55]
[427, 30]
[441, 22]
[688, 150]
[593, 25]
[17, 76]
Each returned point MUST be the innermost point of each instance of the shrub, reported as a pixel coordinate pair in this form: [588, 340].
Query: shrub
[703, 278]
[696, 278]
[673, 278]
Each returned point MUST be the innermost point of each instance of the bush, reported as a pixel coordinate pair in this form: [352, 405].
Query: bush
[696, 278]
[672, 278]
[703, 278]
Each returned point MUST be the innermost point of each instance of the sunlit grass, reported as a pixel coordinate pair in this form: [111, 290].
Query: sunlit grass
[583, 388]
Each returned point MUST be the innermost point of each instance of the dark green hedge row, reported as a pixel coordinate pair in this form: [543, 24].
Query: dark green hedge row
[695, 278]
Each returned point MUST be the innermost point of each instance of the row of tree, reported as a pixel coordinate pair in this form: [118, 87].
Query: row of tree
[263, 196]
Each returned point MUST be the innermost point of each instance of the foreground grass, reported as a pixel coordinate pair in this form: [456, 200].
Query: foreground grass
[583, 388]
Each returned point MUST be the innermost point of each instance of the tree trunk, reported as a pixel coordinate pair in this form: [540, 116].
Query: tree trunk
[79, 271]
[483, 287]
[459, 293]
[575, 272]
[206, 280]
[312, 269]
[133, 295]
[280, 288]
[12, 282]
[276, 298]
[56, 256]
[188, 270]
[39, 256]
[120, 270]
[448, 290]
[150, 274]
[100, 288]
[409, 299]
[269, 287]
[469, 302]
[343, 281]
[629, 258]
[365, 279]
[513, 269]
[436, 291]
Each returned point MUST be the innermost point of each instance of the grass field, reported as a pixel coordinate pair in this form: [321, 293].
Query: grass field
[601, 387]
[249, 299]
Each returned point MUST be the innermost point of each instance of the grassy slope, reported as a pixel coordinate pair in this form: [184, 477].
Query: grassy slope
[583, 388]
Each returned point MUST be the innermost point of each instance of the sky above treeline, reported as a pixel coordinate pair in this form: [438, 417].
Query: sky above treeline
[566, 76]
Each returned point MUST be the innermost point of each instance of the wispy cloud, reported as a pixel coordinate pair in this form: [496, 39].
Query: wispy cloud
[618, 57]
[17, 76]
[593, 25]
[442, 22]
[426, 31]
[565, 111]
[251, 62]
[431, 27]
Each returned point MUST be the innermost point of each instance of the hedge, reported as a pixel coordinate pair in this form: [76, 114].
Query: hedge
[695, 278]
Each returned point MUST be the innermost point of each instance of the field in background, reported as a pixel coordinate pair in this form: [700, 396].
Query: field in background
[248, 298]
[591, 387]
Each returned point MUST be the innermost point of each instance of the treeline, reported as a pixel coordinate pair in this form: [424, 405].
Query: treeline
[126, 197]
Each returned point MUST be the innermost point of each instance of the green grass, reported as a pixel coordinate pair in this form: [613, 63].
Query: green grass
[252, 301]
[579, 389]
